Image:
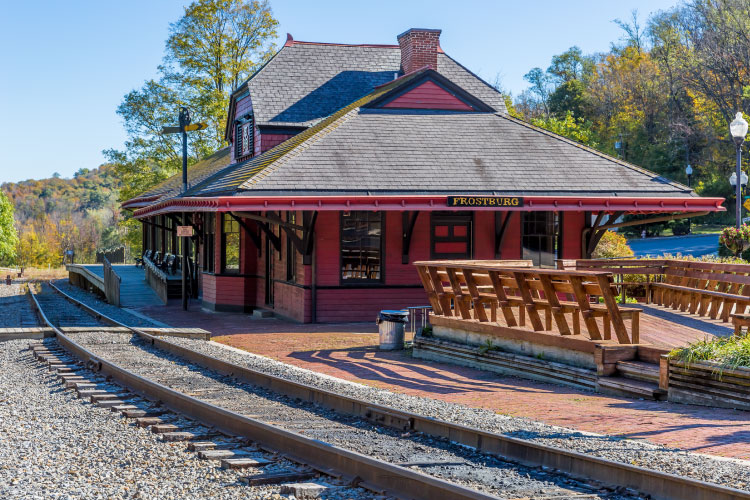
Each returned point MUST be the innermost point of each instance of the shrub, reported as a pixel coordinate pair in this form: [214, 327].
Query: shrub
[729, 352]
[612, 245]
[680, 227]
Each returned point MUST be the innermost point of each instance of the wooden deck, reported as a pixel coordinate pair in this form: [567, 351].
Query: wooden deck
[134, 290]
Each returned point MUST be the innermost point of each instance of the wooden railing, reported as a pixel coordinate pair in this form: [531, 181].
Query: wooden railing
[112, 283]
[467, 289]
[157, 279]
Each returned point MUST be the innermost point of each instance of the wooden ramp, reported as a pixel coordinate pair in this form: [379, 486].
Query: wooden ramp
[134, 290]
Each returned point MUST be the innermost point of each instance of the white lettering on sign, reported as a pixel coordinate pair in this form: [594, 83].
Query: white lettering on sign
[185, 231]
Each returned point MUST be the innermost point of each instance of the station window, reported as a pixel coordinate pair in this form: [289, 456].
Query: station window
[291, 251]
[209, 242]
[230, 245]
[361, 247]
[450, 235]
[540, 234]
[169, 224]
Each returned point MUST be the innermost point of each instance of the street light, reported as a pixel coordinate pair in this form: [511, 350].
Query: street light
[689, 173]
[738, 129]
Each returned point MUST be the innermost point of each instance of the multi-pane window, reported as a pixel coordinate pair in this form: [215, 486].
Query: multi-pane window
[291, 251]
[450, 235]
[230, 245]
[169, 224]
[209, 242]
[361, 247]
[539, 237]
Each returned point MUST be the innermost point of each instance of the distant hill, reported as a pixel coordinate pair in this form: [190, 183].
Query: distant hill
[88, 190]
[56, 214]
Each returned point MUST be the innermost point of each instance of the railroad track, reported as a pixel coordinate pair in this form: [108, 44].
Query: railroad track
[415, 456]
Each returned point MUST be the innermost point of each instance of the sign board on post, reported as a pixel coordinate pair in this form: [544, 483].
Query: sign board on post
[746, 204]
[185, 231]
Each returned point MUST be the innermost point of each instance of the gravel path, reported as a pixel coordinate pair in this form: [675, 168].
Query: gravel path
[54, 446]
[114, 312]
[727, 472]
[457, 464]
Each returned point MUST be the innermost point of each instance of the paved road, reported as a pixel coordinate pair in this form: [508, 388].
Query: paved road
[696, 245]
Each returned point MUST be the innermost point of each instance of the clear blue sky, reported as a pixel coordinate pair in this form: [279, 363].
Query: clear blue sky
[65, 66]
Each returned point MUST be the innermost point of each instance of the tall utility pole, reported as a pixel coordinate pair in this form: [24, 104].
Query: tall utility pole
[185, 231]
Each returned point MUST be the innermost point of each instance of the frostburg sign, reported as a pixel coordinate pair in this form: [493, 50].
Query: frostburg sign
[485, 201]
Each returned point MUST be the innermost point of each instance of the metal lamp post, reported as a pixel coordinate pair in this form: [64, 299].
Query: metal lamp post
[184, 127]
[689, 173]
[738, 129]
[743, 182]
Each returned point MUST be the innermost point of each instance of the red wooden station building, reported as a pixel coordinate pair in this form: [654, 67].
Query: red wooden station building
[346, 163]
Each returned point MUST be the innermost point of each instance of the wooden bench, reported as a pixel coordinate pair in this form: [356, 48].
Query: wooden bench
[704, 288]
[468, 288]
[740, 320]
[652, 269]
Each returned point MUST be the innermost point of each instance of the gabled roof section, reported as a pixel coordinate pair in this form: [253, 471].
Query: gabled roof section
[430, 91]
[172, 186]
[305, 82]
[258, 166]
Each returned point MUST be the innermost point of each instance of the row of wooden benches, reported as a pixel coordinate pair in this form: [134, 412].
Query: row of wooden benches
[167, 263]
[466, 289]
[712, 289]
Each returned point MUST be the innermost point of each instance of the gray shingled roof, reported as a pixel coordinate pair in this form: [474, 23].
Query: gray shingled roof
[407, 151]
[305, 82]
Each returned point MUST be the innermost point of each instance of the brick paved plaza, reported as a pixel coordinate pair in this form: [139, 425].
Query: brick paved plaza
[348, 351]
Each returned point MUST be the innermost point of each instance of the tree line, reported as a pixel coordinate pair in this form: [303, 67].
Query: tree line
[661, 97]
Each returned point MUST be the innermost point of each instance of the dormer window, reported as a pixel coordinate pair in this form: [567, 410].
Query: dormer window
[244, 138]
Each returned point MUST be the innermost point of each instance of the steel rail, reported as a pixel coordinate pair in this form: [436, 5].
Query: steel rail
[368, 472]
[660, 485]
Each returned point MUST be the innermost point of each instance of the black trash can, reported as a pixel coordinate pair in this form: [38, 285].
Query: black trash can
[391, 329]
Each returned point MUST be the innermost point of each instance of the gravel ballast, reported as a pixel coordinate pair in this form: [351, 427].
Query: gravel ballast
[435, 457]
[54, 446]
[728, 472]
[114, 312]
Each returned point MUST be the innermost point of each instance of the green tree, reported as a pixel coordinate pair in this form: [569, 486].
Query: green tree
[8, 234]
[211, 49]
[215, 46]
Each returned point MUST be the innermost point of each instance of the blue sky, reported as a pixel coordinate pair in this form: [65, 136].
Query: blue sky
[65, 66]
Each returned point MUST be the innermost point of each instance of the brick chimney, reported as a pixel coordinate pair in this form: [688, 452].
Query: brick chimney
[419, 48]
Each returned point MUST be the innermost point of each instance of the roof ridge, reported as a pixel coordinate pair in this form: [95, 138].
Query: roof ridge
[591, 150]
[375, 45]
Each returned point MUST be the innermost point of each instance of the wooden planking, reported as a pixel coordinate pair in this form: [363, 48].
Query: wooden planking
[428, 95]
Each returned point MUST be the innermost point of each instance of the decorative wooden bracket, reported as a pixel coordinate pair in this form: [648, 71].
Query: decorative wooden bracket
[501, 224]
[308, 238]
[251, 234]
[409, 219]
[597, 231]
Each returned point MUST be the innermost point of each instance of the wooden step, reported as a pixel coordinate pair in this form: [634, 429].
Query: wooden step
[638, 370]
[622, 386]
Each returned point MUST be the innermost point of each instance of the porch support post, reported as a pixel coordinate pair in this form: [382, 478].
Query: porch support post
[408, 220]
[308, 237]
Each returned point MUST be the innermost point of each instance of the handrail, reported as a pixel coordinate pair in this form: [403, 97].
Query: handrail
[156, 278]
[112, 282]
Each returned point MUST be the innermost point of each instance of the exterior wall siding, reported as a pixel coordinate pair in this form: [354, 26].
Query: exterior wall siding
[268, 141]
[358, 302]
[428, 95]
